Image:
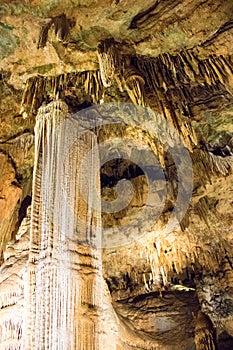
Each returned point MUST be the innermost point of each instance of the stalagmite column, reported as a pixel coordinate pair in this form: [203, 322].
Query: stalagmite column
[204, 333]
[62, 288]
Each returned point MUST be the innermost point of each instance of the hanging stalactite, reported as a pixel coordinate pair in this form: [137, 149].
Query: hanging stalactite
[109, 60]
[177, 83]
[61, 25]
[170, 255]
[160, 77]
[134, 84]
[42, 90]
[209, 165]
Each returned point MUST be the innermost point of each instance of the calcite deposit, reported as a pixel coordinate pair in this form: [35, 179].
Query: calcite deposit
[116, 156]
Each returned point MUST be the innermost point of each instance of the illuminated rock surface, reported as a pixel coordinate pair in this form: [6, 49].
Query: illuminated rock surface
[164, 290]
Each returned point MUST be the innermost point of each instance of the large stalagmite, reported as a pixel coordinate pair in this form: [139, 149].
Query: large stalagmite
[58, 293]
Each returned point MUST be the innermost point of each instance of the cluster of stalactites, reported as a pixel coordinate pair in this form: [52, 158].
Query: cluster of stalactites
[109, 61]
[61, 25]
[176, 81]
[12, 272]
[179, 251]
[131, 75]
[115, 66]
[11, 319]
[41, 90]
[134, 85]
[209, 165]
[10, 334]
[166, 71]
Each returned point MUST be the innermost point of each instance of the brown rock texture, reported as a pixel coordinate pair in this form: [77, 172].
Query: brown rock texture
[160, 289]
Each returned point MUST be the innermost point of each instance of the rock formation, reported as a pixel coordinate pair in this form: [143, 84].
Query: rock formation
[116, 155]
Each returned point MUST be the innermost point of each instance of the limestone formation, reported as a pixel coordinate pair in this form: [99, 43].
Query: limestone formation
[116, 158]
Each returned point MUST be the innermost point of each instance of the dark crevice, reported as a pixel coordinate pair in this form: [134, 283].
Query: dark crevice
[229, 261]
[74, 104]
[225, 341]
[142, 297]
[10, 159]
[118, 169]
[11, 138]
[142, 16]
[153, 14]
[23, 209]
[18, 177]
[225, 27]
[221, 151]
[118, 172]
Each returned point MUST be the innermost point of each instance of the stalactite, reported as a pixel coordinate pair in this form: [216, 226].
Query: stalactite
[11, 330]
[169, 255]
[209, 165]
[62, 26]
[93, 86]
[134, 84]
[109, 61]
[160, 75]
[9, 297]
[202, 209]
[55, 290]
[178, 81]
[40, 90]
[220, 165]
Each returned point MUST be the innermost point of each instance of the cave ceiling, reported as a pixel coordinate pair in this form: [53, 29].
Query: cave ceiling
[182, 52]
